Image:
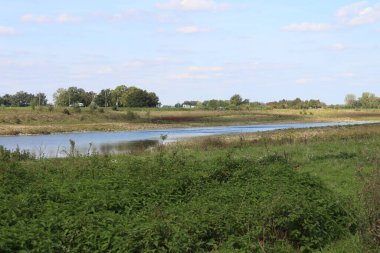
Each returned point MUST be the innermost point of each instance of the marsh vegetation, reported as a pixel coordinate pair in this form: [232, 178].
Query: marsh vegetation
[288, 191]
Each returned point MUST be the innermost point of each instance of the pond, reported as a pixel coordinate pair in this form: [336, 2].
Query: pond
[58, 145]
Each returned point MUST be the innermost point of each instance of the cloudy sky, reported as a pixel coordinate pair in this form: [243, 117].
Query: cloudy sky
[193, 49]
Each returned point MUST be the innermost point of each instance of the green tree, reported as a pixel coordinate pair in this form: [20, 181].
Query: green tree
[350, 100]
[117, 93]
[236, 100]
[153, 100]
[369, 100]
[61, 97]
[40, 99]
[104, 98]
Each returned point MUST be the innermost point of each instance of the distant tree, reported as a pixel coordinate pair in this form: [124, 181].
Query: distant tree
[153, 100]
[190, 103]
[87, 98]
[236, 100]
[76, 95]
[216, 104]
[104, 98]
[40, 99]
[117, 93]
[296, 104]
[7, 100]
[135, 97]
[369, 100]
[61, 97]
[72, 96]
[350, 100]
[22, 98]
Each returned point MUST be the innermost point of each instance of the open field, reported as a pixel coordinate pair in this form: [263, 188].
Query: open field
[17, 121]
[309, 190]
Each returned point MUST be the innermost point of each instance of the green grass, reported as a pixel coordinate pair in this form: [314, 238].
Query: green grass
[277, 192]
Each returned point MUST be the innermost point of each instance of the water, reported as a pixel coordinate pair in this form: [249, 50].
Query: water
[57, 145]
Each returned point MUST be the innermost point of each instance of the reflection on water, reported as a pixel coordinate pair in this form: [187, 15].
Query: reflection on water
[124, 147]
[57, 145]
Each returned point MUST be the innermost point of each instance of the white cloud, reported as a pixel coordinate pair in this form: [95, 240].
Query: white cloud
[193, 5]
[351, 9]
[308, 27]
[206, 69]
[7, 31]
[61, 19]
[67, 19]
[359, 13]
[191, 29]
[368, 15]
[30, 18]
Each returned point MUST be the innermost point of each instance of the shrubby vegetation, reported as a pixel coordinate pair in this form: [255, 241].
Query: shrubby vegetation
[367, 100]
[133, 97]
[237, 102]
[168, 202]
[297, 104]
[234, 102]
[23, 98]
[121, 96]
[217, 195]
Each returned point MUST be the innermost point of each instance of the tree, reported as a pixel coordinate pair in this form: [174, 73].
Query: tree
[104, 98]
[72, 96]
[369, 100]
[40, 99]
[87, 98]
[350, 100]
[236, 100]
[135, 97]
[153, 100]
[22, 98]
[61, 97]
[117, 93]
[7, 100]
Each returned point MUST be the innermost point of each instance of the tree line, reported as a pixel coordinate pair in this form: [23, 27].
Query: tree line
[367, 100]
[121, 96]
[237, 101]
[22, 99]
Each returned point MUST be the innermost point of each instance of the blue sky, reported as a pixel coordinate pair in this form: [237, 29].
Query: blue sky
[193, 49]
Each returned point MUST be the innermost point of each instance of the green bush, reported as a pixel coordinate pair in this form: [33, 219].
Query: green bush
[166, 202]
[66, 111]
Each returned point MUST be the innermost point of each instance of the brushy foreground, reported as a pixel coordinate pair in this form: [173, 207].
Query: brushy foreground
[269, 195]
[170, 202]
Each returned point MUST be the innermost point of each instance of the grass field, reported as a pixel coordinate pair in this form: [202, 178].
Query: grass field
[15, 121]
[309, 190]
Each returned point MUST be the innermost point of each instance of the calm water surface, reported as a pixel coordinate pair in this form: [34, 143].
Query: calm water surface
[57, 145]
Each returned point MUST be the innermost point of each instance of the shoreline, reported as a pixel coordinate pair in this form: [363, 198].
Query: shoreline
[44, 130]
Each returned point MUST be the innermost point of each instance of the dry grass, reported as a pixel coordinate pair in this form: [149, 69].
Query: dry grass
[288, 136]
[15, 121]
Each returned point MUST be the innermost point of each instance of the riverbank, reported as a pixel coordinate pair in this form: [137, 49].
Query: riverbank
[25, 121]
[310, 190]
